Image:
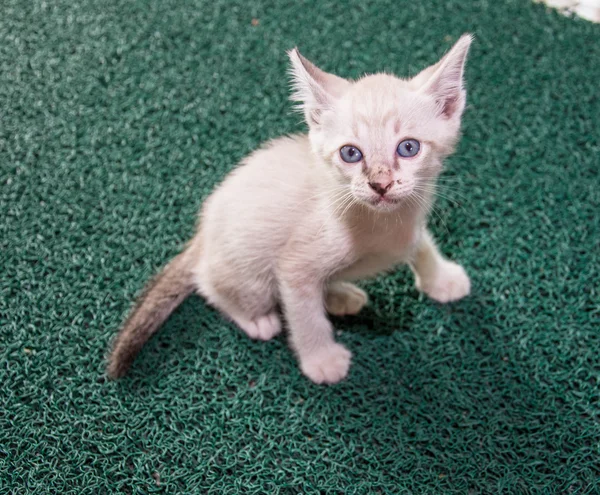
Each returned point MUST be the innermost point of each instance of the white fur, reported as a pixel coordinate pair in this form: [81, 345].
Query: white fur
[588, 9]
[294, 224]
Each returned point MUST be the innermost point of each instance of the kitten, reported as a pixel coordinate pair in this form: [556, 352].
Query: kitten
[305, 215]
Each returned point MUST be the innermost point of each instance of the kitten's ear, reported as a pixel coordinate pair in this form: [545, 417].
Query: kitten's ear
[444, 80]
[315, 89]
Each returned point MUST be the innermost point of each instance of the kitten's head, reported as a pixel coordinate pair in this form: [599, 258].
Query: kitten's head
[384, 137]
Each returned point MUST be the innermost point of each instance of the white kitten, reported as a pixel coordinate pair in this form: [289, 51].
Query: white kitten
[305, 215]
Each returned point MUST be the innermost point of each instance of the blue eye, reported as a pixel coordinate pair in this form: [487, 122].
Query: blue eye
[408, 148]
[350, 154]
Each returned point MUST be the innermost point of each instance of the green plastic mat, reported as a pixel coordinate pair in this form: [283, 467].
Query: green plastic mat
[118, 118]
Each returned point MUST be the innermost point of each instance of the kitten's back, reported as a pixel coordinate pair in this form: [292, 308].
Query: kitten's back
[259, 201]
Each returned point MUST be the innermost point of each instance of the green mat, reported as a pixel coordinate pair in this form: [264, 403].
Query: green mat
[118, 118]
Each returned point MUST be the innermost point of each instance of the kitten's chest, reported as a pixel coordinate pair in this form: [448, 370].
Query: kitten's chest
[379, 247]
[379, 251]
[391, 237]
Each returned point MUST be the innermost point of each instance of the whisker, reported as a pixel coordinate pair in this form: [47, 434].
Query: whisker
[343, 201]
[435, 192]
[423, 203]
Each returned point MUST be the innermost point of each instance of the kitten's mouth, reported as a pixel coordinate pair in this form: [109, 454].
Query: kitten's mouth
[384, 200]
[383, 203]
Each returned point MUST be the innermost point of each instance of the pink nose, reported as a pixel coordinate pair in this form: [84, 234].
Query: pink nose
[381, 188]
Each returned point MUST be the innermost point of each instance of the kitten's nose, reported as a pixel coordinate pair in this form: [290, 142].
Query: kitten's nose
[381, 188]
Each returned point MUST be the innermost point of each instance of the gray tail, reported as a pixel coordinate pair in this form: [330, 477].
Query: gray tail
[159, 299]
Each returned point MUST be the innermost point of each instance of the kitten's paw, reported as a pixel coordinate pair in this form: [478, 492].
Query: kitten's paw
[262, 328]
[327, 365]
[450, 283]
[344, 298]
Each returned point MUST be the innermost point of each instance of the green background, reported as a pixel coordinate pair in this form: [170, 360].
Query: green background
[116, 121]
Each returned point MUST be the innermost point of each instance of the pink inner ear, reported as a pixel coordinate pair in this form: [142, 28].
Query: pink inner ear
[448, 93]
[446, 84]
[449, 106]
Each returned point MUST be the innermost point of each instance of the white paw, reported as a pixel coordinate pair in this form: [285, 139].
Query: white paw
[328, 365]
[263, 327]
[449, 283]
[345, 299]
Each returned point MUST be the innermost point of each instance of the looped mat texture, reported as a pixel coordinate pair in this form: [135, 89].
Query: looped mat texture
[118, 118]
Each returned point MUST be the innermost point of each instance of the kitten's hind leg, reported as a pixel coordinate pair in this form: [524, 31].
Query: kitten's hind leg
[262, 328]
[250, 307]
[344, 298]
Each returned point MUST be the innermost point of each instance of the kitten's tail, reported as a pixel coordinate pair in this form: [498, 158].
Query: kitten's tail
[158, 300]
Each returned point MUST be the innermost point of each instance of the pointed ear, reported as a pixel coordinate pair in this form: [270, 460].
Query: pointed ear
[315, 89]
[444, 80]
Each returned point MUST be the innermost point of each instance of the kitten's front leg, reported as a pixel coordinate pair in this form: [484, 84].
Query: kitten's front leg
[311, 334]
[441, 279]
